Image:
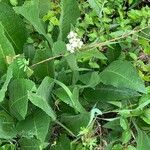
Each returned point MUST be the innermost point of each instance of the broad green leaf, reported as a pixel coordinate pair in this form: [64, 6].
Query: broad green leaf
[18, 94]
[59, 48]
[113, 125]
[108, 93]
[63, 143]
[6, 49]
[122, 74]
[37, 124]
[70, 13]
[30, 10]
[45, 88]
[143, 140]
[71, 60]
[74, 97]
[41, 103]
[113, 53]
[63, 96]
[30, 144]
[14, 28]
[7, 126]
[29, 51]
[3, 90]
[44, 7]
[90, 79]
[76, 122]
[44, 69]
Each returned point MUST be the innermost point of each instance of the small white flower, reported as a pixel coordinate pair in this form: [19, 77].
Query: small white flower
[72, 35]
[80, 44]
[70, 48]
[74, 42]
[72, 51]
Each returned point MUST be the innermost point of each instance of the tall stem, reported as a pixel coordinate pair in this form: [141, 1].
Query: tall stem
[68, 130]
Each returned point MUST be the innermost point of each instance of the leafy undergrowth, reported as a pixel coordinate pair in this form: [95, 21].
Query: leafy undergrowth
[74, 75]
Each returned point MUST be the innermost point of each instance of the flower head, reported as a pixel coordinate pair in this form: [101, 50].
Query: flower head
[72, 35]
[74, 42]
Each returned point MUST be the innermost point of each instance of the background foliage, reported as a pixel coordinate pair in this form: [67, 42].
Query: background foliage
[96, 98]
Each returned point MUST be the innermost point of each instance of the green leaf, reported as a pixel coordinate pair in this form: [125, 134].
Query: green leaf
[37, 124]
[5, 1]
[63, 96]
[44, 7]
[108, 93]
[113, 52]
[41, 103]
[63, 143]
[124, 123]
[70, 13]
[117, 147]
[14, 27]
[45, 88]
[74, 97]
[95, 5]
[131, 148]
[30, 144]
[59, 48]
[30, 10]
[3, 90]
[29, 51]
[114, 125]
[126, 136]
[76, 122]
[71, 60]
[144, 101]
[44, 69]
[14, 2]
[17, 71]
[6, 49]
[143, 140]
[146, 116]
[87, 55]
[122, 74]
[7, 126]
[90, 79]
[18, 94]
[8, 147]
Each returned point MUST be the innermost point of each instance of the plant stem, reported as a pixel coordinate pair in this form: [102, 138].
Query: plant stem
[45, 60]
[68, 130]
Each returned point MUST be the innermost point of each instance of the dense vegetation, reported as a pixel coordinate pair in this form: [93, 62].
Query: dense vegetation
[74, 75]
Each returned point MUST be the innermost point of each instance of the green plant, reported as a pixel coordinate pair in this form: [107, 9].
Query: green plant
[92, 93]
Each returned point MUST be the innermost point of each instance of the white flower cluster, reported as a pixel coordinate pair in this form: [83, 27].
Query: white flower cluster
[74, 42]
